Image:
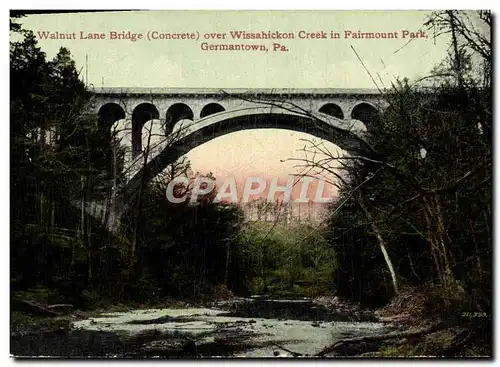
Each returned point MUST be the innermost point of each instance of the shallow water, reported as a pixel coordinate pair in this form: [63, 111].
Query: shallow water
[224, 330]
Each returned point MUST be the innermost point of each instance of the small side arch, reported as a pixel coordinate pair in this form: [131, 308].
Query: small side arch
[333, 110]
[175, 113]
[211, 109]
[366, 113]
[143, 113]
[109, 113]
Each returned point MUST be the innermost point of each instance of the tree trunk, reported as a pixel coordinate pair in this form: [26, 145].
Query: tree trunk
[112, 225]
[437, 238]
[227, 262]
[139, 199]
[82, 209]
[382, 246]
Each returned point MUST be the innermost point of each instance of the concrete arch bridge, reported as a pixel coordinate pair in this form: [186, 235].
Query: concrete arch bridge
[157, 126]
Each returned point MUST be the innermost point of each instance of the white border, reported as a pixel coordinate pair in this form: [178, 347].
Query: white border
[257, 5]
[194, 5]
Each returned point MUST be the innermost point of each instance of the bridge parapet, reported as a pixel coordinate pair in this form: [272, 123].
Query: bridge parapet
[196, 99]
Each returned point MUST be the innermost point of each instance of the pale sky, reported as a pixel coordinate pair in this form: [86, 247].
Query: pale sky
[308, 63]
[313, 63]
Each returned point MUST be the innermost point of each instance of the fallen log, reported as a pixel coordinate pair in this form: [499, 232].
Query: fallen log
[32, 308]
[60, 308]
[399, 335]
[62, 305]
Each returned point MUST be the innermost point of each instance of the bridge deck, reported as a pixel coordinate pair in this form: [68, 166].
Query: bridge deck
[107, 91]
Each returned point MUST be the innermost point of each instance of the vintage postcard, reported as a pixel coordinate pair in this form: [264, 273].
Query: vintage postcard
[245, 184]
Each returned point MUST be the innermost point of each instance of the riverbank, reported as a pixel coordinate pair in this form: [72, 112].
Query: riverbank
[434, 325]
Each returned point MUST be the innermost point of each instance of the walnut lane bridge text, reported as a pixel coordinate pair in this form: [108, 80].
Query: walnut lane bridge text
[154, 35]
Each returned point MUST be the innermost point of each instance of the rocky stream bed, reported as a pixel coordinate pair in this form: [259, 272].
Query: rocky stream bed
[247, 327]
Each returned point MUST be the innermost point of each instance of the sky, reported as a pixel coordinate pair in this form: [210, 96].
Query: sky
[307, 63]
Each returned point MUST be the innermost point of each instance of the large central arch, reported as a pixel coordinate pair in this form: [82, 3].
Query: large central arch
[347, 134]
